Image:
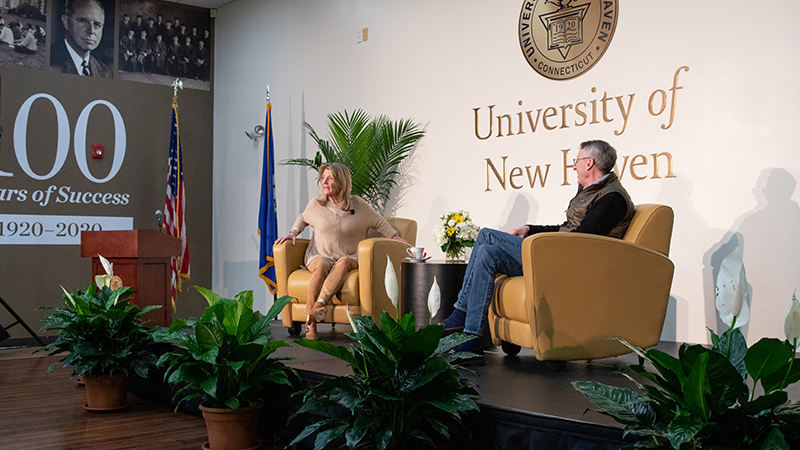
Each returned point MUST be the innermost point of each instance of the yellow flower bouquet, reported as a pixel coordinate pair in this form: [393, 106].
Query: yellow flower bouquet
[455, 233]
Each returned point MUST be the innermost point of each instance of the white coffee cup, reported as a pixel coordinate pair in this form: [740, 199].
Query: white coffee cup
[416, 252]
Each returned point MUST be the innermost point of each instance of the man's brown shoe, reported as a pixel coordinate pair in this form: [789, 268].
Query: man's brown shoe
[311, 330]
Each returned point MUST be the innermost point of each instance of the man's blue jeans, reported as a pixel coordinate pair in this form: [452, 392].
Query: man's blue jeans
[495, 252]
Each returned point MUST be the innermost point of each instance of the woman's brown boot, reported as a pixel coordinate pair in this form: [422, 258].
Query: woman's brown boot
[311, 329]
[319, 311]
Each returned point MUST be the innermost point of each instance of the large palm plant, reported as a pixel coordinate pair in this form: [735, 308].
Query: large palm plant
[371, 148]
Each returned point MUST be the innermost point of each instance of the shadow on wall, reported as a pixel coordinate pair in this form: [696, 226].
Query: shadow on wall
[518, 211]
[297, 191]
[439, 207]
[770, 248]
[688, 223]
[290, 209]
[243, 276]
[303, 194]
[408, 175]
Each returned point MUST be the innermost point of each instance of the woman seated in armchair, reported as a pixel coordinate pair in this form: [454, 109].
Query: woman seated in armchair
[340, 221]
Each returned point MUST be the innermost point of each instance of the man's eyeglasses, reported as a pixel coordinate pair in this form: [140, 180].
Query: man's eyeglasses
[86, 23]
[575, 160]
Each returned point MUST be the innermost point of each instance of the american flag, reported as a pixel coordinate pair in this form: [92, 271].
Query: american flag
[174, 209]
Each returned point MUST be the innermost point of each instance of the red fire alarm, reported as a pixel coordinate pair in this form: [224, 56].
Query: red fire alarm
[97, 151]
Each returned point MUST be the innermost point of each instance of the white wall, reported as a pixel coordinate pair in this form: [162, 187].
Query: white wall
[735, 162]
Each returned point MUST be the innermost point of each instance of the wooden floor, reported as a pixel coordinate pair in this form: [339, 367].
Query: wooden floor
[40, 411]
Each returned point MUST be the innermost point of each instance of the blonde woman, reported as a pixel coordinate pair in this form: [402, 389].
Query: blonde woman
[340, 221]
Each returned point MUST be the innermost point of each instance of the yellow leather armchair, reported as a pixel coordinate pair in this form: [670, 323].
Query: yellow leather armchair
[578, 290]
[364, 290]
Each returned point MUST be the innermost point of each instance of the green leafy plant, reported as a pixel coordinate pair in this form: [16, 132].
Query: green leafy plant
[702, 400]
[100, 332]
[371, 148]
[226, 361]
[403, 390]
[707, 398]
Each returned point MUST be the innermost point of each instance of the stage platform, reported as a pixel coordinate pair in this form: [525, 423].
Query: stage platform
[524, 404]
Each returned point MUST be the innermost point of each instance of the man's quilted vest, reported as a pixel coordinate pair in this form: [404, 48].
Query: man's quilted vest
[583, 201]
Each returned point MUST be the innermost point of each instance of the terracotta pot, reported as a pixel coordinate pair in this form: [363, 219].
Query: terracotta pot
[106, 392]
[232, 429]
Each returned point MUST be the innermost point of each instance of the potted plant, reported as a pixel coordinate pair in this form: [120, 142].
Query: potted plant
[370, 148]
[104, 339]
[706, 397]
[226, 364]
[404, 393]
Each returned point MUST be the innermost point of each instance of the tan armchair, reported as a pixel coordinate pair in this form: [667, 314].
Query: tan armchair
[363, 289]
[578, 290]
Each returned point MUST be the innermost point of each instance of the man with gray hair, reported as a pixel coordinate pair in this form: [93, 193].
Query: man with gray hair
[601, 206]
[83, 22]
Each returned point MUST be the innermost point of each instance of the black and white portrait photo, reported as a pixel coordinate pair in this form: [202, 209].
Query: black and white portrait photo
[83, 37]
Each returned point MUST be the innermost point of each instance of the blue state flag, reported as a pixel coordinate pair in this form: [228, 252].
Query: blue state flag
[267, 214]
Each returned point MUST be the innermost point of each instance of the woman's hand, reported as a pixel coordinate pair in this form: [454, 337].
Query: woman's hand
[397, 237]
[291, 236]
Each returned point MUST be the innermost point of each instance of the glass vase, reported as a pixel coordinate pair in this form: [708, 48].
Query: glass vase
[455, 254]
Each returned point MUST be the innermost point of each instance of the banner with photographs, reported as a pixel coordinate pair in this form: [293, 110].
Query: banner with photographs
[145, 41]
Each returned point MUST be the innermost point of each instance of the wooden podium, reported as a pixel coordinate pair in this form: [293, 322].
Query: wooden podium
[142, 260]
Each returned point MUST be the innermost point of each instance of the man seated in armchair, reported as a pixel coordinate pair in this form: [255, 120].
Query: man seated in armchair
[601, 206]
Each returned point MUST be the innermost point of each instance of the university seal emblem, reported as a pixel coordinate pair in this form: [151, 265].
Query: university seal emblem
[563, 39]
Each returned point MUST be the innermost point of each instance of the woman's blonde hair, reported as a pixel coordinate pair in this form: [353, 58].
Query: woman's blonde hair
[341, 181]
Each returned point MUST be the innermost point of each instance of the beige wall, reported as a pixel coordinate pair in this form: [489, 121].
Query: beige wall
[730, 141]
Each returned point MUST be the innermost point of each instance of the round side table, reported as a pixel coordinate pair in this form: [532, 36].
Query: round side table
[417, 279]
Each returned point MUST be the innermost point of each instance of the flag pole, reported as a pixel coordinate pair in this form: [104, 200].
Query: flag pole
[267, 215]
[174, 207]
[178, 84]
[269, 107]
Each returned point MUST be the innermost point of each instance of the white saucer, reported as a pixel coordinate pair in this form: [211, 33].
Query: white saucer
[414, 260]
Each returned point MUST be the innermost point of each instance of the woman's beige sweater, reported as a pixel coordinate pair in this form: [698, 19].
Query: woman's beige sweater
[338, 235]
